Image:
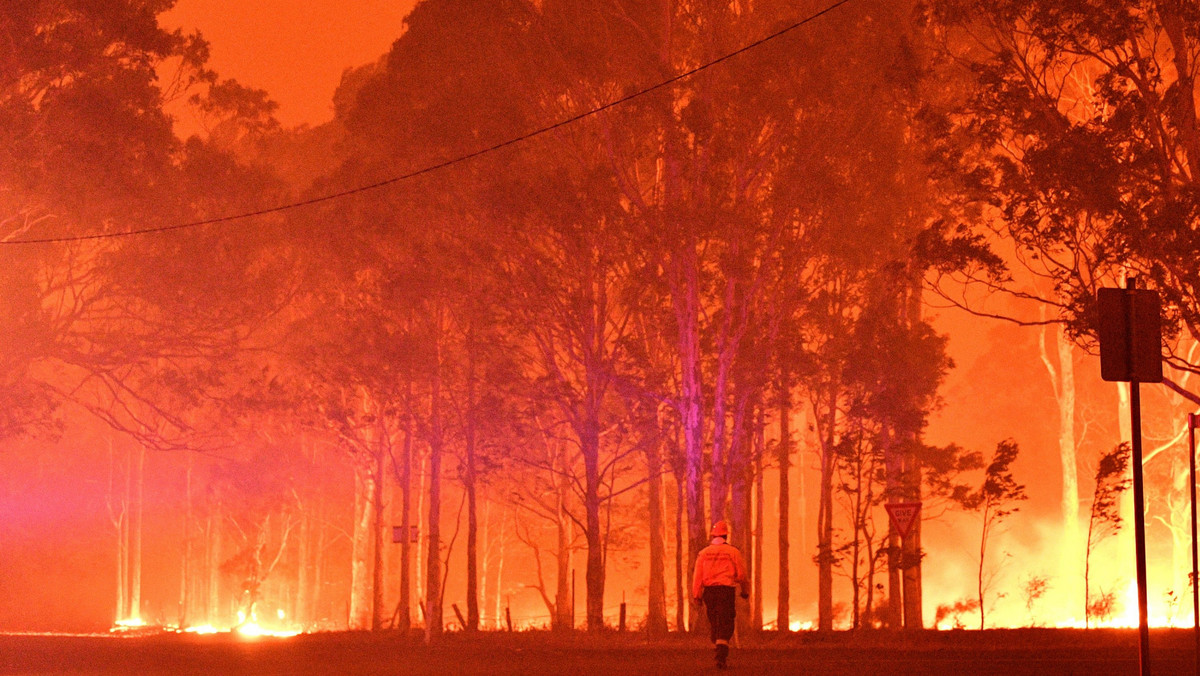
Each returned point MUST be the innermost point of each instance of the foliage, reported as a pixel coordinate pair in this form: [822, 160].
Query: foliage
[1034, 588]
[1077, 125]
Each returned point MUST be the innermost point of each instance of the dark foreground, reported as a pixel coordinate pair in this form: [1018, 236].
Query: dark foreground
[1025, 652]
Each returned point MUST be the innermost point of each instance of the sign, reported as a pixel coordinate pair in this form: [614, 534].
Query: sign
[1130, 332]
[903, 515]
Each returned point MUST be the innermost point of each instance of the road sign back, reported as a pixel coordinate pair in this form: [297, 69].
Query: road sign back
[1130, 331]
[904, 515]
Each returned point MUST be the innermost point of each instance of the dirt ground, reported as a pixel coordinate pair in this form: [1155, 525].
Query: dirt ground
[1034, 652]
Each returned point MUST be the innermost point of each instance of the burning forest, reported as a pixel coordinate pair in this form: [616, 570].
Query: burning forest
[555, 286]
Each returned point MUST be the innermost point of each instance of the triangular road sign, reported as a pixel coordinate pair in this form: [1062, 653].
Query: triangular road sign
[904, 515]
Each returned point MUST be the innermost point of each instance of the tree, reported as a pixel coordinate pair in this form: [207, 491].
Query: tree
[1104, 518]
[1074, 140]
[996, 500]
[1080, 131]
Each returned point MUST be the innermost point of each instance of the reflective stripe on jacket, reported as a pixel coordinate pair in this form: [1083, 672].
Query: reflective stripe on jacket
[718, 565]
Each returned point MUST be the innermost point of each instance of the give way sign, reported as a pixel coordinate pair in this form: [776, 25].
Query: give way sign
[903, 515]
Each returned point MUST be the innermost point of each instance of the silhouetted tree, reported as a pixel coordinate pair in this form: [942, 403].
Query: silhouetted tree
[996, 500]
[1104, 518]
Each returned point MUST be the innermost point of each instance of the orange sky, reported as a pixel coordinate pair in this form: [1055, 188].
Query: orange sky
[294, 50]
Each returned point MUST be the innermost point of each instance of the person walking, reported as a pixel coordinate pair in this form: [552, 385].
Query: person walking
[720, 569]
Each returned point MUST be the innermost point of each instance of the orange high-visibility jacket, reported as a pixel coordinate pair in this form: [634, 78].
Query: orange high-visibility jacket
[718, 565]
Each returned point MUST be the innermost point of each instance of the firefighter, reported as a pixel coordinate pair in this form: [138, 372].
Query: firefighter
[720, 570]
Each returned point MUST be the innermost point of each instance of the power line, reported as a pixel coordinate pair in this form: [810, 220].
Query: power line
[446, 163]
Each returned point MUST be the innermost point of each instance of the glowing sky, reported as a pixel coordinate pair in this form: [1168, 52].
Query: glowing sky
[296, 50]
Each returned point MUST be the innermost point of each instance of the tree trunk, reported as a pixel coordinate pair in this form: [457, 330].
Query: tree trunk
[741, 483]
[656, 612]
[214, 565]
[421, 554]
[500, 575]
[433, 563]
[681, 594]
[564, 603]
[913, 609]
[724, 466]
[120, 522]
[594, 577]
[378, 586]
[759, 508]
[686, 303]
[825, 517]
[472, 544]
[1062, 379]
[135, 554]
[1125, 565]
[784, 455]
[1182, 113]
[911, 554]
[302, 612]
[469, 478]
[488, 539]
[185, 574]
[360, 611]
[404, 617]
[316, 609]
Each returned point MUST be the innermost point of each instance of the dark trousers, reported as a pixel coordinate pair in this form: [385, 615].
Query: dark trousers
[718, 604]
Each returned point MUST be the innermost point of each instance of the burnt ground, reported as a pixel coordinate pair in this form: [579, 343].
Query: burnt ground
[1022, 652]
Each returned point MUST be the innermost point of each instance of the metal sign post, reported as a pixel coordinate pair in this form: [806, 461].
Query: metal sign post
[1195, 581]
[1130, 331]
[1139, 527]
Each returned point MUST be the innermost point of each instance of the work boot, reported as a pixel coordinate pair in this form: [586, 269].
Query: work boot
[722, 654]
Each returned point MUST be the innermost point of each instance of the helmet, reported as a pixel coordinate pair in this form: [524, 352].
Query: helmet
[720, 529]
